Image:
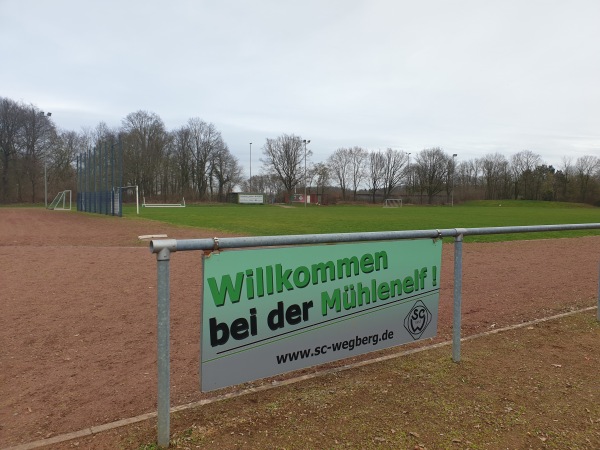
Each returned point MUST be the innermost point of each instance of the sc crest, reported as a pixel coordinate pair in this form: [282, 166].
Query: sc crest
[417, 320]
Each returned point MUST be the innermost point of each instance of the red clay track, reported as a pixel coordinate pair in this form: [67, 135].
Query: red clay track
[78, 312]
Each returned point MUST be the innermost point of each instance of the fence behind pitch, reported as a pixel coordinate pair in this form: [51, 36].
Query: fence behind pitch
[99, 179]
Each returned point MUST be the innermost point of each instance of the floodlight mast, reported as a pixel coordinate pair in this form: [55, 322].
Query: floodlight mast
[48, 114]
[305, 142]
[452, 195]
[408, 189]
[250, 179]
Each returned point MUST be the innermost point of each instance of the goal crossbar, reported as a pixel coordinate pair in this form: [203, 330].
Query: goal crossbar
[163, 205]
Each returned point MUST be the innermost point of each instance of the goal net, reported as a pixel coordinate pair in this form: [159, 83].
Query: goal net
[62, 201]
[392, 203]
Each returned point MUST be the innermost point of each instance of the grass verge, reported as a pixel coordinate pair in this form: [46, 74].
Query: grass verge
[538, 388]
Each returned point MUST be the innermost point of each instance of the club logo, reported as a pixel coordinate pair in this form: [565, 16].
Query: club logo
[417, 320]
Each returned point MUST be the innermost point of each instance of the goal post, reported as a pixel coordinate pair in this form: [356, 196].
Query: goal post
[62, 201]
[137, 196]
[392, 203]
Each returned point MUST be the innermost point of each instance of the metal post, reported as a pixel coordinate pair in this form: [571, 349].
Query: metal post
[305, 173]
[107, 193]
[458, 240]
[88, 181]
[78, 180]
[45, 183]
[163, 359]
[113, 189]
[120, 175]
[250, 179]
[100, 186]
[409, 187]
[48, 114]
[453, 156]
[305, 142]
[96, 149]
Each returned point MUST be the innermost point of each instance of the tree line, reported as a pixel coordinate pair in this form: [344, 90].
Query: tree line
[193, 161]
[430, 176]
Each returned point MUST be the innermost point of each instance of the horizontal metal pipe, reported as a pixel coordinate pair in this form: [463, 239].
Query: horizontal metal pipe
[531, 229]
[303, 239]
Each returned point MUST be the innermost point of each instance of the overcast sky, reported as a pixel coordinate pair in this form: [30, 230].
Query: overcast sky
[471, 77]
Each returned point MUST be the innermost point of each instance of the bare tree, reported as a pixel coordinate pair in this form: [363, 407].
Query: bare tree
[102, 133]
[376, 172]
[393, 171]
[257, 182]
[348, 167]
[523, 165]
[564, 178]
[61, 169]
[467, 179]
[145, 142]
[494, 167]
[358, 162]
[11, 122]
[321, 176]
[35, 140]
[431, 170]
[227, 172]
[205, 141]
[585, 168]
[286, 156]
[339, 163]
[450, 178]
[182, 161]
[268, 184]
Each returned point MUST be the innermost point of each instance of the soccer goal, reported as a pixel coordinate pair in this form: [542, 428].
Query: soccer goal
[392, 203]
[137, 195]
[163, 205]
[62, 201]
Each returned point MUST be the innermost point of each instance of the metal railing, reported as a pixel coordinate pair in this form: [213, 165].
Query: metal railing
[164, 247]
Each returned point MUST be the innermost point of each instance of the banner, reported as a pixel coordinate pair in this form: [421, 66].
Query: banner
[251, 199]
[274, 310]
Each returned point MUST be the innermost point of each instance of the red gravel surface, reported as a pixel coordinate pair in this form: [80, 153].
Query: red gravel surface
[78, 312]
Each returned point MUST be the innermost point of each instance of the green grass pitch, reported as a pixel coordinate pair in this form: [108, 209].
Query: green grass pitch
[267, 220]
